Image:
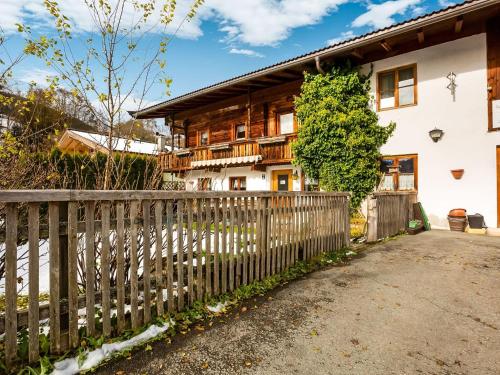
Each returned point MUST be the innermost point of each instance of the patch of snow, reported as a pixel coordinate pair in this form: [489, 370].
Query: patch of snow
[217, 308]
[70, 366]
[349, 253]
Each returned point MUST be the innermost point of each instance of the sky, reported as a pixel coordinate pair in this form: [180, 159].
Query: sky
[225, 38]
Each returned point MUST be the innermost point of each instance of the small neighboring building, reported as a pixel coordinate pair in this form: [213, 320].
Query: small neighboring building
[79, 141]
[437, 73]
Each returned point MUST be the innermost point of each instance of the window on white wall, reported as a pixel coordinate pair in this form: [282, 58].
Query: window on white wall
[399, 173]
[397, 88]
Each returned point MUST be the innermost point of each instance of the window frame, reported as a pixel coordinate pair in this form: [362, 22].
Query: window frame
[278, 120]
[198, 137]
[239, 179]
[235, 131]
[395, 176]
[396, 87]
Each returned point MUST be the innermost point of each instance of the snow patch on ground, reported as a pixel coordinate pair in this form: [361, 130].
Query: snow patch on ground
[220, 307]
[70, 366]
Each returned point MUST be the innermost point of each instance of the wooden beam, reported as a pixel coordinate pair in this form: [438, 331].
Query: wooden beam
[421, 36]
[459, 24]
[357, 53]
[385, 45]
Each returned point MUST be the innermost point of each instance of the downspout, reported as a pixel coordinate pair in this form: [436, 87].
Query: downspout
[318, 65]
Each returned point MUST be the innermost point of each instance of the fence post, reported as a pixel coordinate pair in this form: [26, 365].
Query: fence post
[372, 219]
[412, 199]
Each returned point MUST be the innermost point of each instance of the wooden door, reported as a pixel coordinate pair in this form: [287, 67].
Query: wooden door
[493, 56]
[498, 186]
[282, 180]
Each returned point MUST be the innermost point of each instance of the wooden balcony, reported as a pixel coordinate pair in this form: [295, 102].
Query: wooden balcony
[268, 150]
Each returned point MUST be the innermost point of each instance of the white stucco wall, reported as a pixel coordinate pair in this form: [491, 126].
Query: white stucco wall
[256, 180]
[466, 142]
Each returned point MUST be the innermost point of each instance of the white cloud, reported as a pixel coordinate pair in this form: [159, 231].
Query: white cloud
[33, 13]
[252, 22]
[446, 3]
[246, 52]
[37, 76]
[382, 15]
[264, 22]
[343, 36]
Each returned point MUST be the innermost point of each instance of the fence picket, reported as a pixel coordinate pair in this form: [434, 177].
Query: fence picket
[199, 259]
[159, 256]
[11, 283]
[170, 256]
[189, 239]
[120, 265]
[105, 269]
[33, 313]
[146, 258]
[208, 247]
[216, 286]
[180, 255]
[224, 246]
[134, 265]
[54, 264]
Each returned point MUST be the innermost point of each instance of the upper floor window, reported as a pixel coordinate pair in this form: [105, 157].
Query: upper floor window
[399, 173]
[203, 138]
[240, 131]
[285, 123]
[397, 88]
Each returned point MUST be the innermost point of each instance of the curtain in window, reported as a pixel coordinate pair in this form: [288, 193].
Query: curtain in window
[387, 183]
[406, 181]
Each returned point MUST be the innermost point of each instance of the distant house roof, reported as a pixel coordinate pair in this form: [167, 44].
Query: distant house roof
[74, 140]
[290, 68]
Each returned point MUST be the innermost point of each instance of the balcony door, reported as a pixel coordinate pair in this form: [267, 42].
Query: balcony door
[282, 180]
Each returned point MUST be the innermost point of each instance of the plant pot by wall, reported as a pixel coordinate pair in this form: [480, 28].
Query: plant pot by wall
[457, 173]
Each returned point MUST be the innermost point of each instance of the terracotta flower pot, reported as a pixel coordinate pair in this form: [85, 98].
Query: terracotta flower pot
[457, 173]
[458, 212]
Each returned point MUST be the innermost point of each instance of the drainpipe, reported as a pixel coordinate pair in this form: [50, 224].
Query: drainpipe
[318, 65]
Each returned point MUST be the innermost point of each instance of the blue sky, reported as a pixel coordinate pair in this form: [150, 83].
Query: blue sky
[228, 37]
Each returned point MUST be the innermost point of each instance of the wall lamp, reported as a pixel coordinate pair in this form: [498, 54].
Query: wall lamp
[436, 134]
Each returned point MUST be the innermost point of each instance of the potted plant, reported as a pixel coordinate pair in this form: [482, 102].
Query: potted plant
[457, 173]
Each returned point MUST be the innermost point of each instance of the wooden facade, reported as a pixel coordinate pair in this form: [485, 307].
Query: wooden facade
[215, 131]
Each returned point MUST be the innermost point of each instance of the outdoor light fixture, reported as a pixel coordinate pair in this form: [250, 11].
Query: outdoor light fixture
[295, 175]
[436, 134]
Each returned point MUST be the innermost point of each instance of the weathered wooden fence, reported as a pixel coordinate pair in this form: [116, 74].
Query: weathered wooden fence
[389, 213]
[125, 256]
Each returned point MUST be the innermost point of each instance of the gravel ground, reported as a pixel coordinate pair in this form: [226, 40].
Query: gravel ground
[425, 304]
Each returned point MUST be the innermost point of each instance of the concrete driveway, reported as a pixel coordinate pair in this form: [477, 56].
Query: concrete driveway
[425, 304]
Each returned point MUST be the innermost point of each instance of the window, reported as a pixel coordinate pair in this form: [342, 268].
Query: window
[237, 183]
[397, 88]
[204, 184]
[285, 123]
[203, 138]
[399, 173]
[240, 131]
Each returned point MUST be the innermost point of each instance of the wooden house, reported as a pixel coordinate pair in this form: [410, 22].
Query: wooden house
[440, 70]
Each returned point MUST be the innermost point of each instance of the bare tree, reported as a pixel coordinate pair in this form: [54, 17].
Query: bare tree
[100, 70]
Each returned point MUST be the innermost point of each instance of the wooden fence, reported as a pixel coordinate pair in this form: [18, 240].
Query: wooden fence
[124, 257]
[389, 213]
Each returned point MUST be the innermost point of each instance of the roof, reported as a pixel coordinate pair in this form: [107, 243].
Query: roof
[100, 142]
[180, 103]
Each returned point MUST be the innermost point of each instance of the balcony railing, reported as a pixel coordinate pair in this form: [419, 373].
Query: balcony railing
[272, 150]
